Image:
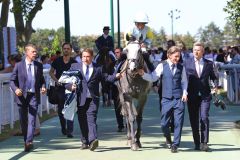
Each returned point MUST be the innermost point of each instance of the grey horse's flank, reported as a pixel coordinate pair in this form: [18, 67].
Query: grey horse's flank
[132, 88]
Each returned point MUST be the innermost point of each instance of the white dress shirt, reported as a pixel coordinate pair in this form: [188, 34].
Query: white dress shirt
[33, 75]
[156, 74]
[199, 68]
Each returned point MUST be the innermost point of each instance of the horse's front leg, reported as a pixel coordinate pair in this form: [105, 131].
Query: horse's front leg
[131, 117]
[129, 138]
[139, 118]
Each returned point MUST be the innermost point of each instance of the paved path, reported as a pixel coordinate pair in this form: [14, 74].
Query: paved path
[51, 145]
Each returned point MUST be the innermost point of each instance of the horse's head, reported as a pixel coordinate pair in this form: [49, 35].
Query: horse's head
[134, 56]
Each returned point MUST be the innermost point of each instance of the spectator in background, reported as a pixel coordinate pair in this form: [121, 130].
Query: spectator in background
[1, 65]
[59, 65]
[155, 57]
[55, 56]
[78, 57]
[221, 56]
[45, 61]
[170, 43]
[12, 60]
[115, 94]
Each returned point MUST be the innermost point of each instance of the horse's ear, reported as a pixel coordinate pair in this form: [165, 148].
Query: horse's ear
[127, 37]
[141, 38]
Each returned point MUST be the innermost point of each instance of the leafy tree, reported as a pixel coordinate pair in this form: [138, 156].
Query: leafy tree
[233, 9]
[188, 40]
[160, 38]
[211, 36]
[56, 46]
[230, 36]
[24, 13]
[41, 38]
[87, 41]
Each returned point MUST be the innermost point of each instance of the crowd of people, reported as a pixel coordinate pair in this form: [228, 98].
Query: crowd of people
[183, 75]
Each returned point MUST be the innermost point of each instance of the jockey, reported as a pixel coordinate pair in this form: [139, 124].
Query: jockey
[143, 33]
[105, 41]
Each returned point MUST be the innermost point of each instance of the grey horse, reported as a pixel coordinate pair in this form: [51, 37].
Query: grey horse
[132, 88]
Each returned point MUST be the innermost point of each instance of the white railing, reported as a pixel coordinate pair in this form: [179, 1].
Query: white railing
[9, 110]
[232, 81]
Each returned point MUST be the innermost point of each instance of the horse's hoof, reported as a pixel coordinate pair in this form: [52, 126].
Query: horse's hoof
[139, 144]
[129, 142]
[134, 147]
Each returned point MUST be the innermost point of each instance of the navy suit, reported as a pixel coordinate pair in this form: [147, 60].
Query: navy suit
[172, 104]
[28, 102]
[88, 107]
[199, 97]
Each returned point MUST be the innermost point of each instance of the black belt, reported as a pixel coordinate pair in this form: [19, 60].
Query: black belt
[30, 93]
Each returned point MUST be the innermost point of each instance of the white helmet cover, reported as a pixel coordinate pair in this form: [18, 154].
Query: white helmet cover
[141, 18]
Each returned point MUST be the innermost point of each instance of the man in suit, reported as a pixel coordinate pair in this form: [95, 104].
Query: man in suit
[199, 70]
[174, 93]
[27, 82]
[88, 97]
[115, 94]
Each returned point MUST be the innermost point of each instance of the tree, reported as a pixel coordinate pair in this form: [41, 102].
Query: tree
[230, 36]
[188, 40]
[4, 13]
[24, 13]
[160, 38]
[211, 36]
[233, 9]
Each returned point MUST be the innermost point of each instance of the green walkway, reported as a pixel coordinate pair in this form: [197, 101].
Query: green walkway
[51, 145]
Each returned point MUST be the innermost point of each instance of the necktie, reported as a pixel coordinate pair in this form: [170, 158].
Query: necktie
[87, 73]
[29, 77]
[198, 68]
[172, 68]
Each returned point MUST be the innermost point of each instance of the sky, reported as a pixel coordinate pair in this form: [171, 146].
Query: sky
[88, 17]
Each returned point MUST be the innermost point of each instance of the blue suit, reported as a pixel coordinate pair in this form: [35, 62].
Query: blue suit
[88, 107]
[172, 104]
[28, 102]
[199, 97]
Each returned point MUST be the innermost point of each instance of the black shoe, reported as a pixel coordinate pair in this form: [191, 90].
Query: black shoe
[204, 147]
[84, 146]
[93, 145]
[69, 135]
[64, 132]
[197, 147]
[174, 149]
[120, 129]
[168, 143]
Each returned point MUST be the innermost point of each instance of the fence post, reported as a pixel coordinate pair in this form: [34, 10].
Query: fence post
[11, 108]
[236, 81]
[1, 105]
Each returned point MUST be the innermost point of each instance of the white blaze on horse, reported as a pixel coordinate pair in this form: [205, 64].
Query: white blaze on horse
[132, 88]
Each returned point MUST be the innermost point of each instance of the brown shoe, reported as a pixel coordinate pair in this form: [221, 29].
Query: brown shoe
[18, 133]
[94, 145]
[84, 146]
[37, 132]
[205, 147]
[28, 147]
